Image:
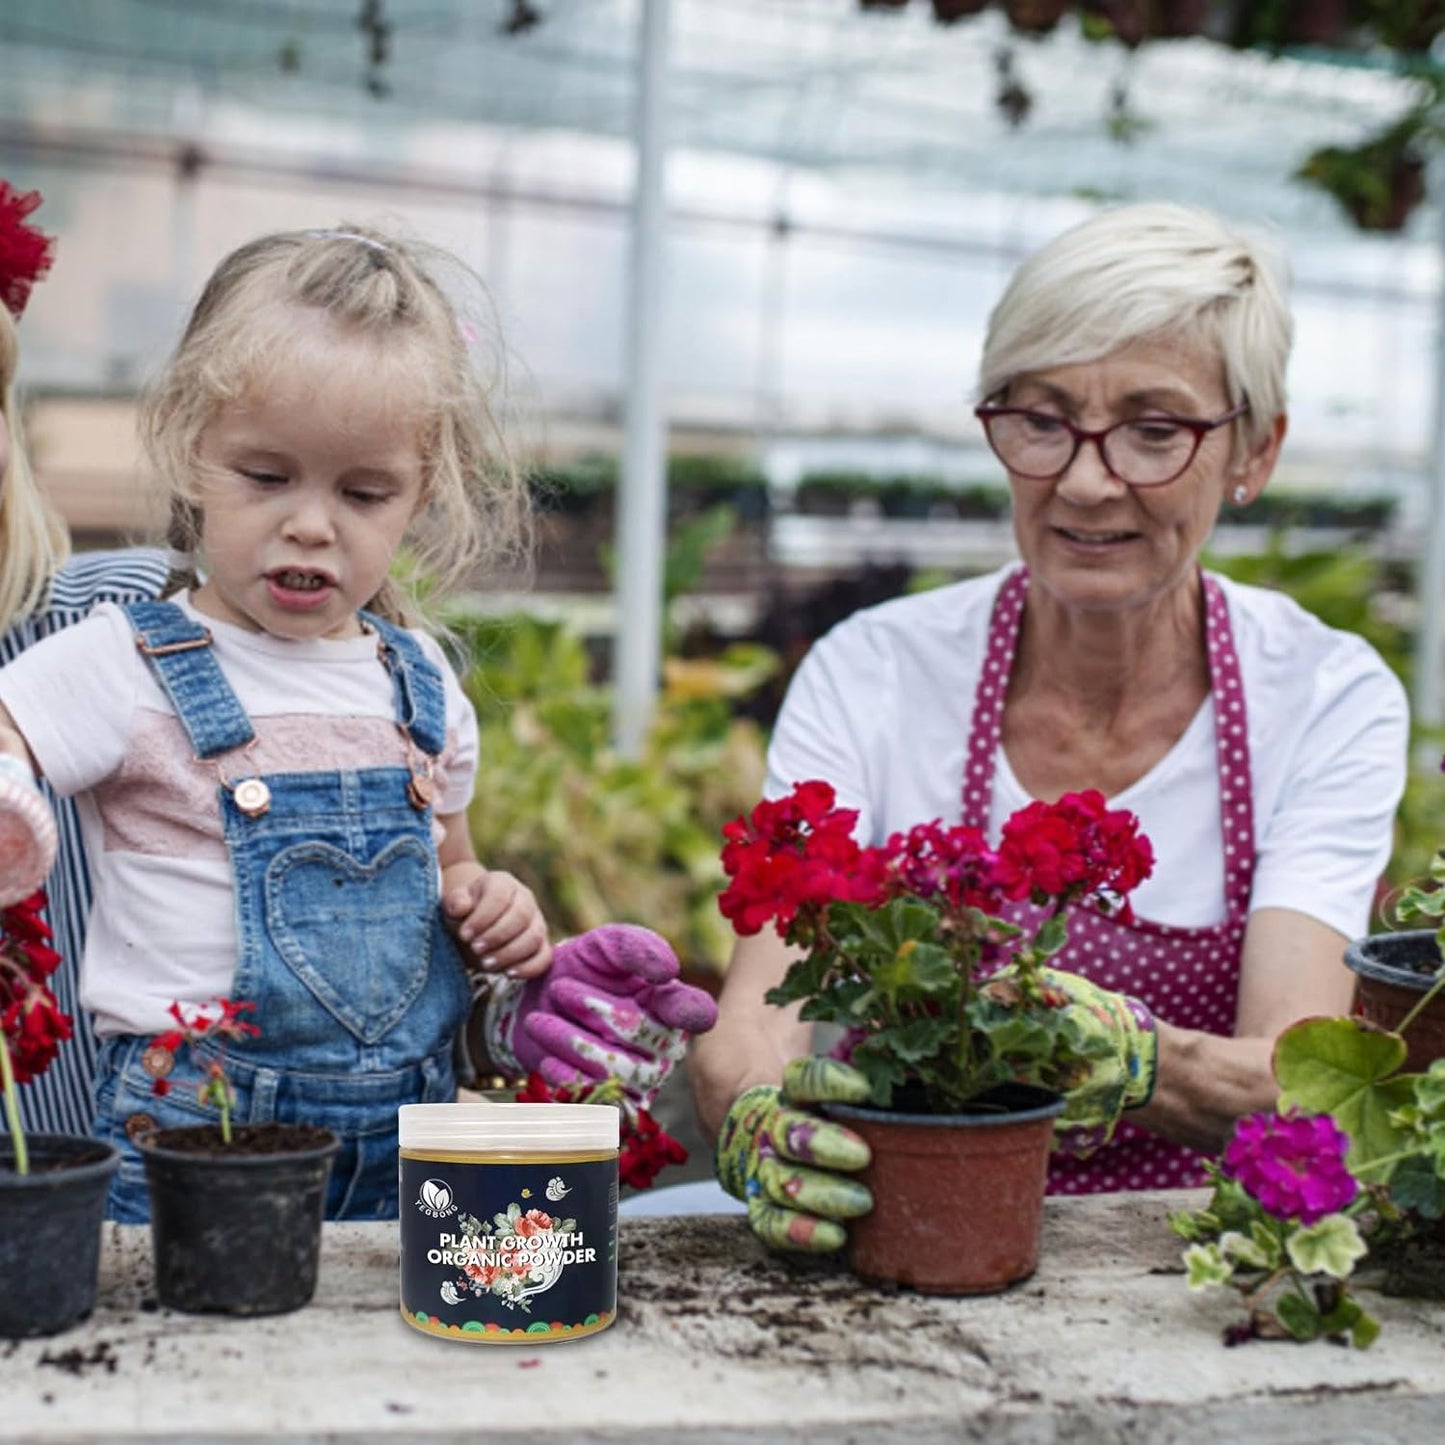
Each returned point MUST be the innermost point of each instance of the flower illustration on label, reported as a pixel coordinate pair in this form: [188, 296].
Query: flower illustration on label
[556, 1189]
[512, 1256]
[435, 1198]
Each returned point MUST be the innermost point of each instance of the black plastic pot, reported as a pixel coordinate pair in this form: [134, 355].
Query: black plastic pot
[236, 1232]
[1394, 970]
[50, 1232]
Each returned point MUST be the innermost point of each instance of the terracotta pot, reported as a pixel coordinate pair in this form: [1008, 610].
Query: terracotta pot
[1393, 970]
[50, 1224]
[958, 1198]
[236, 1231]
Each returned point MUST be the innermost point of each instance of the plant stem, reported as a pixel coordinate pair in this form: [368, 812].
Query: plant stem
[1372, 1164]
[12, 1109]
[1425, 999]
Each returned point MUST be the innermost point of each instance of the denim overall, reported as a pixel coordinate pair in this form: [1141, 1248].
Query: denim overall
[359, 990]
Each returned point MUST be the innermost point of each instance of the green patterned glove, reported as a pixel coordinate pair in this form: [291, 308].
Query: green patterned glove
[784, 1161]
[1123, 1078]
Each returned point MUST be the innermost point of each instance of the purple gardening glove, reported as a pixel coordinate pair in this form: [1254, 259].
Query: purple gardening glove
[611, 1003]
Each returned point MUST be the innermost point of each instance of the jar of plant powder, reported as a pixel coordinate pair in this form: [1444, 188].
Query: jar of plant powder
[509, 1220]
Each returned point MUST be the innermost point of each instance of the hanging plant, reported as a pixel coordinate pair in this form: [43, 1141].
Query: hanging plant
[1036, 17]
[1380, 182]
[947, 11]
[1409, 25]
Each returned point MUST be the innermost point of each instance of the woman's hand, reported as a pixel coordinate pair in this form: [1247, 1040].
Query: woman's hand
[1123, 1073]
[790, 1166]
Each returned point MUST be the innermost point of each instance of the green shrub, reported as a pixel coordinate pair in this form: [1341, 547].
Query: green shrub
[599, 838]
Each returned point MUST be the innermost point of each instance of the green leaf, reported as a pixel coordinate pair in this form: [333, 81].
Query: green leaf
[918, 1039]
[1019, 1036]
[1365, 1330]
[881, 1068]
[1430, 1088]
[1299, 1316]
[1206, 1266]
[1246, 1251]
[1345, 1068]
[1329, 1246]
[1052, 936]
[1415, 1185]
[917, 971]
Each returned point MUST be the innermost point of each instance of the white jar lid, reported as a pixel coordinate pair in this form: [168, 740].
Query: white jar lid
[540, 1128]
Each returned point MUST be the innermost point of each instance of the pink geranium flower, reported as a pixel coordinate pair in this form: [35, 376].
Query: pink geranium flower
[1293, 1164]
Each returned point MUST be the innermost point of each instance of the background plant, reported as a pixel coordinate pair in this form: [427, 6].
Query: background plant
[597, 837]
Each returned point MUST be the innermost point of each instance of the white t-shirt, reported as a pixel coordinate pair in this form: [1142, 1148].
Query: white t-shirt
[881, 707]
[163, 927]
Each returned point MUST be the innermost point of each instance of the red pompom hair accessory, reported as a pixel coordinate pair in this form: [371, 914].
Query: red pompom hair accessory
[25, 253]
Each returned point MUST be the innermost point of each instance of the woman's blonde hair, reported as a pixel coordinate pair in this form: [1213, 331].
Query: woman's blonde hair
[1152, 270]
[34, 542]
[431, 313]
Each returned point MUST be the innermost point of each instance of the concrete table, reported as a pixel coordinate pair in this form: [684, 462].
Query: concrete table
[718, 1341]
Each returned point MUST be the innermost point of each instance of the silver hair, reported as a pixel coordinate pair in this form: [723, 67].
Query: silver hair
[1150, 270]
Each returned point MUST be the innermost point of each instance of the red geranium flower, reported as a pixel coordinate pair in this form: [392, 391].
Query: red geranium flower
[32, 1024]
[646, 1148]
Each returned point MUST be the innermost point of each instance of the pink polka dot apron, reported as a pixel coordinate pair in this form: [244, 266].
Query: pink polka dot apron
[1188, 976]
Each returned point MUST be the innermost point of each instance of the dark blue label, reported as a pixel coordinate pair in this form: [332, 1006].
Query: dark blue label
[508, 1248]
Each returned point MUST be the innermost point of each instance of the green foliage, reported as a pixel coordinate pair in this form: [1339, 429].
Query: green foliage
[1350, 1070]
[1378, 182]
[907, 972]
[694, 482]
[599, 838]
[1340, 587]
[1294, 1278]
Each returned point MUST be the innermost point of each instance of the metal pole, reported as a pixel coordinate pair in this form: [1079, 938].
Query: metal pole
[642, 490]
[1429, 686]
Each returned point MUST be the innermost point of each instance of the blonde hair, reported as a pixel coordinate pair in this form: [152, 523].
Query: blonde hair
[377, 286]
[34, 543]
[1152, 270]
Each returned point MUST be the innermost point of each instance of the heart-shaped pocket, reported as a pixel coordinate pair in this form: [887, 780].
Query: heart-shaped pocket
[358, 935]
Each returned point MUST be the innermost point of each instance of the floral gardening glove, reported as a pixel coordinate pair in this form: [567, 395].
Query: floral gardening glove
[610, 1005]
[27, 832]
[1121, 1030]
[789, 1166]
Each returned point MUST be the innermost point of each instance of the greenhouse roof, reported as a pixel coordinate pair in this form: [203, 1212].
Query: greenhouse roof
[810, 84]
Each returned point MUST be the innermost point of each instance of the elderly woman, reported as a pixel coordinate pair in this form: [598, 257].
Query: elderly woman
[1132, 384]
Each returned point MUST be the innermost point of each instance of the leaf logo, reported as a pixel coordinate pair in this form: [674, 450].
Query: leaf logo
[436, 1197]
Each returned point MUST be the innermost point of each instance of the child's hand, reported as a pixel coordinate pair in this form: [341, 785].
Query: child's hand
[27, 832]
[612, 1006]
[496, 920]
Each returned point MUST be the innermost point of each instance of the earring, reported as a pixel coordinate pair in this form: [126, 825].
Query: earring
[1241, 494]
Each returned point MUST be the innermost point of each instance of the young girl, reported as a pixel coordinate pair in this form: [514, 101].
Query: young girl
[273, 768]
